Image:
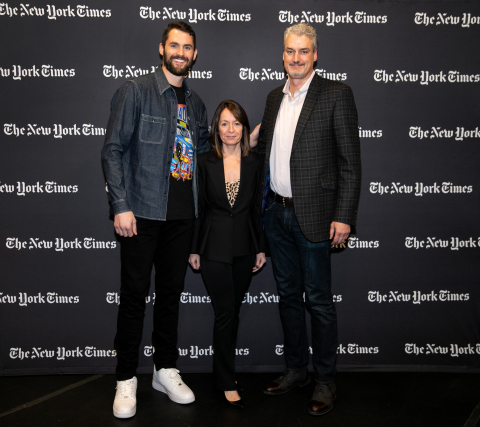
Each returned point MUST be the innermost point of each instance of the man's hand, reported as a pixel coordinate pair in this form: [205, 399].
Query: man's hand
[259, 261]
[194, 261]
[125, 224]
[340, 231]
[254, 136]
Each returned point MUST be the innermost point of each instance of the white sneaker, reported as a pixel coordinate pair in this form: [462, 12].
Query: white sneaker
[170, 382]
[125, 403]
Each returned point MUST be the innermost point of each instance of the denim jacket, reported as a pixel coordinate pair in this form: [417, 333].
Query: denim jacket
[140, 140]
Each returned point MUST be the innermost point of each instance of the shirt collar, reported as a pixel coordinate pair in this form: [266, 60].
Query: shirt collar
[163, 83]
[303, 89]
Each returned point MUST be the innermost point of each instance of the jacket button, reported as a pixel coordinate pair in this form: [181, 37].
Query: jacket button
[231, 215]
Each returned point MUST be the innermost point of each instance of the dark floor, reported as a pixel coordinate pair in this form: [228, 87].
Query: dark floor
[364, 399]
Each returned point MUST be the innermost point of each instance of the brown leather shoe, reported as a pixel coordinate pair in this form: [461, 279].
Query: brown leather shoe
[289, 380]
[322, 399]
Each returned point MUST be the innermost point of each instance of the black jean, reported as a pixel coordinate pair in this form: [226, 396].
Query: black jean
[165, 244]
[227, 285]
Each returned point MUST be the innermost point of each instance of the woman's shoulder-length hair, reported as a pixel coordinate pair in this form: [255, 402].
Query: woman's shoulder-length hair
[239, 113]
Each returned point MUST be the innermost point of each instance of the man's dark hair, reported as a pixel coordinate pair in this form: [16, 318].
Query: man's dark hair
[181, 26]
[239, 113]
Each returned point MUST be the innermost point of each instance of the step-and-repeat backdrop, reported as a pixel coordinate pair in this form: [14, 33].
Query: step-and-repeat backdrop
[405, 283]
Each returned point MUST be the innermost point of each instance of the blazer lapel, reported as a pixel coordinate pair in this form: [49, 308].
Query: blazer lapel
[247, 174]
[307, 108]
[217, 174]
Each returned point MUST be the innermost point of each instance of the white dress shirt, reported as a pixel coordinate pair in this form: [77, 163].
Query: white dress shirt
[285, 126]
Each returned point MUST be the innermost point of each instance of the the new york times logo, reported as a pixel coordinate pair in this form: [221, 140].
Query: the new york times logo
[424, 77]
[453, 350]
[416, 297]
[193, 15]
[453, 243]
[419, 189]
[132, 71]
[57, 130]
[466, 19]
[331, 18]
[53, 12]
[50, 187]
[17, 72]
[24, 299]
[269, 74]
[59, 244]
[460, 133]
[61, 353]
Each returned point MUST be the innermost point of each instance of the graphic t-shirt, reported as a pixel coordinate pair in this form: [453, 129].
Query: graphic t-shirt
[180, 196]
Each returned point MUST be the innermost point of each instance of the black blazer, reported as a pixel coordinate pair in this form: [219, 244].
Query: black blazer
[325, 161]
[222, 232]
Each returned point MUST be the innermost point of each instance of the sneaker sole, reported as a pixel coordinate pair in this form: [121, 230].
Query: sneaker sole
[159, 387]
[306, 382]
[125, 415]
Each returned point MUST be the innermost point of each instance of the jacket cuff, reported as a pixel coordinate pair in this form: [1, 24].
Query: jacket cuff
[262, 242]
[194, 244]
[121, 206]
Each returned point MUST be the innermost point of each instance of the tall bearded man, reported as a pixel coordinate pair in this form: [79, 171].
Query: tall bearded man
[157, 127]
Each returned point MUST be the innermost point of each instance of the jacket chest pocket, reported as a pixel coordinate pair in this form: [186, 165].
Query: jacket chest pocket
[152, 129]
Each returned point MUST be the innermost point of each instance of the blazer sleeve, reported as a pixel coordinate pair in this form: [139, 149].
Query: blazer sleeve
[257, 205]
[345, 127]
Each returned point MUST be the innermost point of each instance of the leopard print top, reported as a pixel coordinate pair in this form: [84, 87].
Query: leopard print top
[232, 191]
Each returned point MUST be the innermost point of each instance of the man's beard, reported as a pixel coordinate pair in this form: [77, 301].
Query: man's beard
[168, 63]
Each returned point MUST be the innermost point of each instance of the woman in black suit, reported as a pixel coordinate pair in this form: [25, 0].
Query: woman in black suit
[228, 243]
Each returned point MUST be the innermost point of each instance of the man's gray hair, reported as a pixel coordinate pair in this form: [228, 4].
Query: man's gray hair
[302, 29]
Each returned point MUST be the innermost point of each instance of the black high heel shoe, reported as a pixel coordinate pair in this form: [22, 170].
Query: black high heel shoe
[237, 403]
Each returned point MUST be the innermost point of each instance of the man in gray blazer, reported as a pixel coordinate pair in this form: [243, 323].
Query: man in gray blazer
[311, 176]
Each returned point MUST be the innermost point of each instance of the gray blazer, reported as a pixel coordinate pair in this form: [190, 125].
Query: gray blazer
[325, 167]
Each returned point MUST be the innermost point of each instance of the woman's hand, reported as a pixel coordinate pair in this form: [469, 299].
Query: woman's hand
[260, 261]
[194, 260]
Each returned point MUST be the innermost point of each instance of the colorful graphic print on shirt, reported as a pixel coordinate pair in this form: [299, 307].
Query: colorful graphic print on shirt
[182, 161]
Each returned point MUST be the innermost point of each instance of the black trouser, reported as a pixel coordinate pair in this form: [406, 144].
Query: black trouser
[227, 285]
[165, 244]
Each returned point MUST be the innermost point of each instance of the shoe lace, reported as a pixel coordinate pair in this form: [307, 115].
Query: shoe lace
[175, 377]
[323, 390]
[125, 388]
[172, 373]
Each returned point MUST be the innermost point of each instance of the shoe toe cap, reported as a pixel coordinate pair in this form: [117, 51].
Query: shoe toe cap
[273, 387]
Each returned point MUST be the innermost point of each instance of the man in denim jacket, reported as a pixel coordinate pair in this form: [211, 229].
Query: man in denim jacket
[157, 127]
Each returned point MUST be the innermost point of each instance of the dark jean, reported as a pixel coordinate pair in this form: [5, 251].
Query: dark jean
[165, 244]
[302, 266]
